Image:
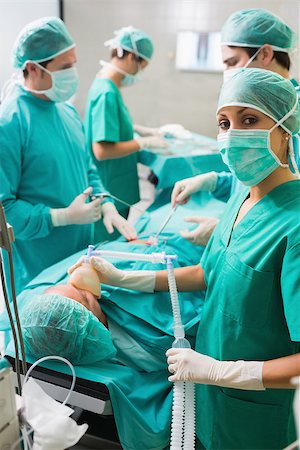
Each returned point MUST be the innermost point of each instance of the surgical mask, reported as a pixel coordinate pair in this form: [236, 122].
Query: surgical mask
[128, 79]
[229, 73]
[64, 84]
[248, 153]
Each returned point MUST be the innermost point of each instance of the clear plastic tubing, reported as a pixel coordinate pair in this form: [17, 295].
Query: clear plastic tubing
[183, 409]
[150, 257]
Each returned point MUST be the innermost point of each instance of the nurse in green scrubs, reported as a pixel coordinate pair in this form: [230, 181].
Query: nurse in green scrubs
[248, 341]
[109, 127]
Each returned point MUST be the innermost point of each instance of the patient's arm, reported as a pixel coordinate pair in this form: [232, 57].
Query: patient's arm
[190, 278]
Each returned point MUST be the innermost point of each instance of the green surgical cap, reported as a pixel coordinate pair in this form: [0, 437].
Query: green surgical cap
[264, 91]
[56, 325]
[132, 40]
[256, 27]
[41, 40]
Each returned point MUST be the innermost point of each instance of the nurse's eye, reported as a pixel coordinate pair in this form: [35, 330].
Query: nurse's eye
[224, 124]
[250, 121]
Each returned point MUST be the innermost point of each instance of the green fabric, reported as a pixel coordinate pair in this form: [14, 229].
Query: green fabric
[56, 325]
[140, 392]
[256, 27]
[41, 40]
[266, 91]
[44, 164]
[107, 119]
[183, 159]
[251, 312]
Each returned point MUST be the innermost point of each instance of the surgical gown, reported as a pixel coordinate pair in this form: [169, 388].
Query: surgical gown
[44, 164]
[228, 184]
[251, 312]
[107, 120]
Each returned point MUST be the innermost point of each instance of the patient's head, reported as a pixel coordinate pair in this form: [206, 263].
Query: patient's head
[86, 298]
[54, 324]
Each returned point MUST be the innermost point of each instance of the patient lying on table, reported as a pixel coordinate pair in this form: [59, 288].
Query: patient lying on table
[67, 320]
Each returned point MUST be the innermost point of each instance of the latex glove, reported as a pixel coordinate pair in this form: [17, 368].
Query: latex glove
[201, 234]
[188, 365]
[112, 219]
[146, 131]
[183, 189]
[139, 280]
[151, 142]
[53, 428]
[78, 212]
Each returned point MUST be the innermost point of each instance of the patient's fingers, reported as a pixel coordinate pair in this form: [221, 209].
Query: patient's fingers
[76, 265]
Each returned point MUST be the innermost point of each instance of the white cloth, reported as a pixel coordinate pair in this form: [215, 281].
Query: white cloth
[53, 428]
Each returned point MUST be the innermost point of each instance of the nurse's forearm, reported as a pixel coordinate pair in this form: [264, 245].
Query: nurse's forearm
[112, 150]
[188, 279]
[278, 372]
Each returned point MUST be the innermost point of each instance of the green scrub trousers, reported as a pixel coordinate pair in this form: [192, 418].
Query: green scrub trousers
[251, 312]
[107, 120]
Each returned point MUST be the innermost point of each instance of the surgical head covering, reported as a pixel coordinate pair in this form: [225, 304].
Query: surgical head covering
[266, 92]
[256, 27]
[132, 40]
[41, 40]
[56, 325]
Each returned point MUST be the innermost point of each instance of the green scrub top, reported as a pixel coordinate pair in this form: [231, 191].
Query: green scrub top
[251, 312]
[44, 164]
[107, 119]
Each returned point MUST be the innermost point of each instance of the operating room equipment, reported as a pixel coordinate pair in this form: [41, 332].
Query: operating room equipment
[153, 240]
[108, 195]
[9, 424]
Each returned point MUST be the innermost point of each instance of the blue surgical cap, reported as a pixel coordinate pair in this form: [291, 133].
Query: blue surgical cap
[256, 27]
[132, 40]
[56, 325]
[264, 91]
[41, 40]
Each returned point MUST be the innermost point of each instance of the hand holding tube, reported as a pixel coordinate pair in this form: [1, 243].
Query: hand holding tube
[188, 365]
[78, 212]
[140, 280]
[183, 189]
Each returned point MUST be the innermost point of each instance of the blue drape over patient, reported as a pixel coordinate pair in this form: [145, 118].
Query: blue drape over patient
[141, 329]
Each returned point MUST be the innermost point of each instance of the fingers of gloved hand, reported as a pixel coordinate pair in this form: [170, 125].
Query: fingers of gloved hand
[189, 235]
[108, 223]
[88, 191]
[124, 228]
[76, 265]
[172, 368]
[195, 219]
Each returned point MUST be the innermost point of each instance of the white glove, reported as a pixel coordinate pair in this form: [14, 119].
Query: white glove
[112, 219]
[188, 365]
[201, 234]
[78, 212]
[151, 142]
[183, 189]
[139, 280]
[146, 131]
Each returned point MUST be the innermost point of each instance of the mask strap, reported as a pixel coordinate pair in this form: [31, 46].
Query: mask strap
[292, 156]
[121, 71]
[253, 57]
[285, 117]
